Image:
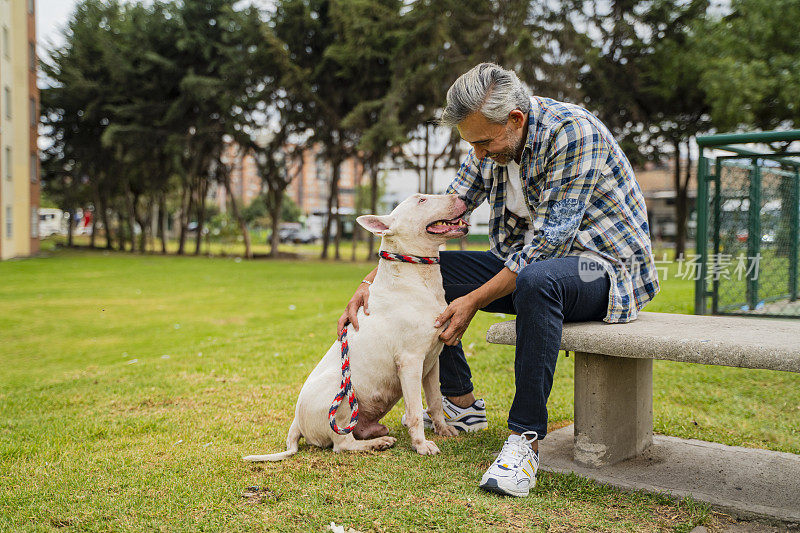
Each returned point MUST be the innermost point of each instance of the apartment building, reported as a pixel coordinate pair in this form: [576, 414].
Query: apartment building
[19, 118]
[309, 189]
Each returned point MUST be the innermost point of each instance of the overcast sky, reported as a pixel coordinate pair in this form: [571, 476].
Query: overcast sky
[51, 17]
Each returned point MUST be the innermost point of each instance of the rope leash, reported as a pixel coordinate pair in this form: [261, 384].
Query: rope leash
[345, 389]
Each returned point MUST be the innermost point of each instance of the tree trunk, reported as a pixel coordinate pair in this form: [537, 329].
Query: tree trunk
[120, 233]
[201, 215]
[248, 251]
[93, 236]
[106, 225]
[337, 239]
[427, 154]
[186, 206]
[332, 194]
[680, 207]
[144, 224]
[356, 234]
[162, 227]
[131, 200]
[69, 227]
[683, 199]
[276, 204]
[373, 204]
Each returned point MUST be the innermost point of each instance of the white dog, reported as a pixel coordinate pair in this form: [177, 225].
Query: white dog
[396, 350]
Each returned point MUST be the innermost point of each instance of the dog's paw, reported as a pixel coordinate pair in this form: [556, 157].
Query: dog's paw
[384, 443]
[445, 430]
[426, 447]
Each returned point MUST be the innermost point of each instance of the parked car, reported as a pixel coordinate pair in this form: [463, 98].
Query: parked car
[294, 233]
[305, 237]
[287, 234]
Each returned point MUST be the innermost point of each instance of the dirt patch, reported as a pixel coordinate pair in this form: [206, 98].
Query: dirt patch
[256, 495]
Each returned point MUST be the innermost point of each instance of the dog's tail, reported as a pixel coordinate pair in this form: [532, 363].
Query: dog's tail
[291, 447]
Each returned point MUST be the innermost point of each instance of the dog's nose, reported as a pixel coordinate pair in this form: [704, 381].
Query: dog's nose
[461, 203]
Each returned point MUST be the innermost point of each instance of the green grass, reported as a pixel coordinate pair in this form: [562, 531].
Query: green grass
[234, 247]
[91, 440]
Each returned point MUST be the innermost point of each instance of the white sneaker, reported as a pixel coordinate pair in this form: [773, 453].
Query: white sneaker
[472, 418]
[513, 473]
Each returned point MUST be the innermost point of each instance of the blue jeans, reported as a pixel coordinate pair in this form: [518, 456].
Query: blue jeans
[549, 293]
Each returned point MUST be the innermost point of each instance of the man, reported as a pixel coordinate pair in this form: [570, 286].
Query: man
[569, 242]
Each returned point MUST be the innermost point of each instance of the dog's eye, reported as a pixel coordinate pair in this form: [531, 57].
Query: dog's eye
[421, 200]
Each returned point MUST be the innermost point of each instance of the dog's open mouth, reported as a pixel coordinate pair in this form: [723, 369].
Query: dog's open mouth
[454, 225]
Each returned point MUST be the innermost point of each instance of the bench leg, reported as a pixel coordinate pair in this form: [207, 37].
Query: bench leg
[613, 408]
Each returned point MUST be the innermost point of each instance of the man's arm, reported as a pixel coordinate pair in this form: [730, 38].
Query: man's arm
[360, 298]
[461, 310]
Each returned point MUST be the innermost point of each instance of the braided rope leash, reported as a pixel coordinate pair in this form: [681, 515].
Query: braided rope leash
[345, 389]
[409, 258]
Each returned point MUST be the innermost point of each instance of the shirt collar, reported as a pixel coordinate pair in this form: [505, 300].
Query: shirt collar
[533, 116]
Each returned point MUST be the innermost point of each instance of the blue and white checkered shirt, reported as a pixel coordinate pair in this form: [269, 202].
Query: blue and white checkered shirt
[582, 197]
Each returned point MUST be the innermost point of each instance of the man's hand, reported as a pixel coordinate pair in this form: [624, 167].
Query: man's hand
[361, 297]
[459, 313]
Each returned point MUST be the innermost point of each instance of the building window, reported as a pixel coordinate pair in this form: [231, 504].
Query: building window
[32, 56]
[31, 5]
[8, 163]
[34, 114]
[9, 222]
[7, 92]
[6, 44]
[34, 222]
[322, 168]
[34, 170]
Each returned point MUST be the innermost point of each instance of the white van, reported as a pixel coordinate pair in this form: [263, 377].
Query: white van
[51, 222]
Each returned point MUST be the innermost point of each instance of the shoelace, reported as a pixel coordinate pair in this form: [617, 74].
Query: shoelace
[516, 450]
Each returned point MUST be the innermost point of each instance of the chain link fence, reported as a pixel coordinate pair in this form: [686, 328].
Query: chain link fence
[747, 238]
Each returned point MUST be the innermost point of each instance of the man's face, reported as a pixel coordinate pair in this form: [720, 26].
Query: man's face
[500, 142]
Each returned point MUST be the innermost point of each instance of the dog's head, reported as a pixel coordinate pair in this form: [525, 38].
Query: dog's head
[421, 221]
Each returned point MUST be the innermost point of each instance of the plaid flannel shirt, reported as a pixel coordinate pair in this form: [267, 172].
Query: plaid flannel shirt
[582, 197]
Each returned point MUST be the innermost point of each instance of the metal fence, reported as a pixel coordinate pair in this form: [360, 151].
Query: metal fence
[748, 213]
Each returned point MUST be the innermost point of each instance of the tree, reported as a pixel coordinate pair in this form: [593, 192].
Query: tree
[641, 75]
[75, 112]
[435, 42]
[674, 92]
[752, 73]
[278, 165]
[316, 96]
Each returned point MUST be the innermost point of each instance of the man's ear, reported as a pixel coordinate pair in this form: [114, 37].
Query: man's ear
[517, 117]
[375, 224]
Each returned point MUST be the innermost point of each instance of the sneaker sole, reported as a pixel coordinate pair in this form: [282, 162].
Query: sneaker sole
[491, 486]
[464, 428]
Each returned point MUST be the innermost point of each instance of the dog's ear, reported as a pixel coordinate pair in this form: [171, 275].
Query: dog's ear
[375, 224]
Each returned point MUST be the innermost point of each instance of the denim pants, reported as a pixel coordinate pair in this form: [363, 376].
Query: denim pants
[548, 293]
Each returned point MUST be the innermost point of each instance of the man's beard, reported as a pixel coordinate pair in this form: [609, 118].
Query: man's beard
[508, 154]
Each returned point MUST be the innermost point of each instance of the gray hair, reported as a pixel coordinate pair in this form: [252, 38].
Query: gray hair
[488, 88]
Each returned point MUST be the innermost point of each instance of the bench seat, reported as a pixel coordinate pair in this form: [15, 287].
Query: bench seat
[766, 343]
[614, 369]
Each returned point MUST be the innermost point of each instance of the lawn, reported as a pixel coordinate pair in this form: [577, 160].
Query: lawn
[133, 385]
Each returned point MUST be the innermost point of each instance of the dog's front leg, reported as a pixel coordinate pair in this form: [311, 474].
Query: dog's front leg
[433, 396]
[409, 368]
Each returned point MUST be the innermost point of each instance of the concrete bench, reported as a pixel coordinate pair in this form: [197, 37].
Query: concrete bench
[614, 381]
